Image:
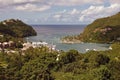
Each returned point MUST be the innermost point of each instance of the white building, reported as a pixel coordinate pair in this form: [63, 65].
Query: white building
[39, 44]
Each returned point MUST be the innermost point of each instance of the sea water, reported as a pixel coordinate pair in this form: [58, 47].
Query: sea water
[53, 33]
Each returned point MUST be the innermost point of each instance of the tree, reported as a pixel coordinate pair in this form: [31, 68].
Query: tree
[39, 68]
[69, 56]
[102, 73]
[102, 59]
[114, 67]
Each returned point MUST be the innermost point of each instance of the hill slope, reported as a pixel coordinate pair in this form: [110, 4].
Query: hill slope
[103, 30]
[16, 28]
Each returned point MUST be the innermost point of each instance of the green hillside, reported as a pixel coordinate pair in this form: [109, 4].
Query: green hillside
[16, 28]
[103, 30]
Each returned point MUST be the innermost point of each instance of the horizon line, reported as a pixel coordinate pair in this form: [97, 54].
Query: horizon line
[56, 24]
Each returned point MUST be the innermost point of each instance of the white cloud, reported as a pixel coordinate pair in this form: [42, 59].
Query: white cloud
[32, 7]
[19, 1]
[94, 12]
[57, 16]
[74, 11]
[67, 15]
[82, 18]
[75, 2]
[54, 2]
[28, 5]
[7, 2]
[35, 5]
[62, 12]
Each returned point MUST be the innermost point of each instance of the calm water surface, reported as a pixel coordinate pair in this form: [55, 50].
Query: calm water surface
[52, 34]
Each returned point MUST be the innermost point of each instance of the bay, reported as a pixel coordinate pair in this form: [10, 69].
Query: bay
[52, 34]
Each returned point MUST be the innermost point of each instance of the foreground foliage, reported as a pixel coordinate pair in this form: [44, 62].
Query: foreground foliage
[40, 64]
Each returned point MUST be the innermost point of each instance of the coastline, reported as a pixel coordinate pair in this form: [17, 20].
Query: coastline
[71, 42]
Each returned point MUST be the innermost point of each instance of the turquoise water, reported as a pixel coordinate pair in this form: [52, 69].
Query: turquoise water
[52, 34]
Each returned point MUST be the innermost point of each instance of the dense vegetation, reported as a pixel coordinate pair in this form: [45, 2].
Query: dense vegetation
[101, 30]
[16, 28]
[71, 39]
[40, 64]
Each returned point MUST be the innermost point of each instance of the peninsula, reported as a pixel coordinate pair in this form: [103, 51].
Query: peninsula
[12, 33]
[16, 28]
[103, 30]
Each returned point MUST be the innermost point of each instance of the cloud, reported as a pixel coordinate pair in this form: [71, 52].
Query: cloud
[32, 7]
[7, 2]
[20, 1]
[52, 2]
[87, 15]
[75, 2]
[114, 1]
[42, 5]
[57, 17]
[67, 16]
[79, 11]
[74, 11]
[94, 12]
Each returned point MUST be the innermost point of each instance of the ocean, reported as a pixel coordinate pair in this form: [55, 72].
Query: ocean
[53, 33]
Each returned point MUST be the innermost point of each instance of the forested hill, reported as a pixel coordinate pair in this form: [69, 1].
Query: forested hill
[16, 28]
[103, 30]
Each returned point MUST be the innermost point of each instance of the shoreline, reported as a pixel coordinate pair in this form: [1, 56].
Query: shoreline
[71, 42]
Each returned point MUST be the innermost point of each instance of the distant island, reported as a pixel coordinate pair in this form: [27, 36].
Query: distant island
[103, 30]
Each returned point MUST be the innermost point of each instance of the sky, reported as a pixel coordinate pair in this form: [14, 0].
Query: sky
[58, 11]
